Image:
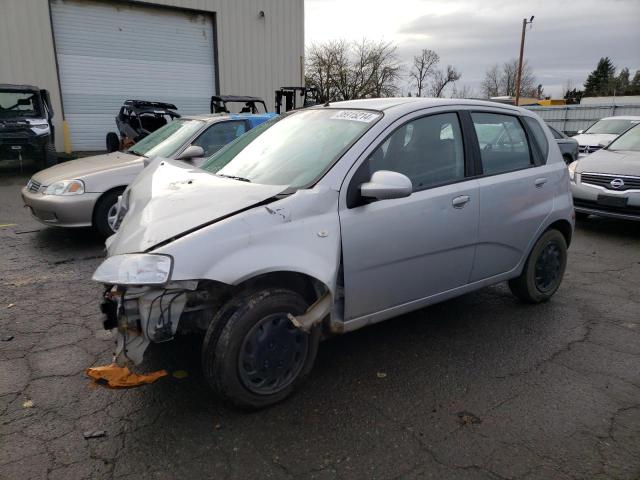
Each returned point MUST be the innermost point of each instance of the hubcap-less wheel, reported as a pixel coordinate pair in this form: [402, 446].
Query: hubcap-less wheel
[112, 216]
[548, 266]
[272, 355]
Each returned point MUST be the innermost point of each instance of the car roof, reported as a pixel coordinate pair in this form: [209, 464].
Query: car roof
[217, 117]
[382, 104]
[622, 117]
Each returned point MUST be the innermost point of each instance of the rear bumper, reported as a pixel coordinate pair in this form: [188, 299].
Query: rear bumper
[61, 211]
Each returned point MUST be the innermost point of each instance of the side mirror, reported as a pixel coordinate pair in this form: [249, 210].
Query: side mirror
[580, 131]
[385, 185]
[190, 152]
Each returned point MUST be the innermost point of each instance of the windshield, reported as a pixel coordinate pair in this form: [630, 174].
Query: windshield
[294, 151]
[19, 104]
[628, 141]
[615, 127]
[165, 141]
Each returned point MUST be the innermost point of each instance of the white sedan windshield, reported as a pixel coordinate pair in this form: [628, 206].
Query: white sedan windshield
[295, 150]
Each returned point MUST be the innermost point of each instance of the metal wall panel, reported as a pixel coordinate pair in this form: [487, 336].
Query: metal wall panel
[109, 52]
[571, 118]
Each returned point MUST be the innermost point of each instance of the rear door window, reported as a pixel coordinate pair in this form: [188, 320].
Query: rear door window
[503, 143]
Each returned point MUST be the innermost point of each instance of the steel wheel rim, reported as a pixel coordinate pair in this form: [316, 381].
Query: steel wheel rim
[272, 355]
[547, 268]
[112, 216]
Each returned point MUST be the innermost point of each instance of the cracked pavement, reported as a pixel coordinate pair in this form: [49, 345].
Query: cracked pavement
[478, 387]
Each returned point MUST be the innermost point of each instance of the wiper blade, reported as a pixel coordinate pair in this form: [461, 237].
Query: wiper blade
[233, 177]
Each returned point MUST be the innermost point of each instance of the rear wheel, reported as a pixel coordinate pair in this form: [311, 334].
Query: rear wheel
[252, 354]
[105, 213]
[544, 269]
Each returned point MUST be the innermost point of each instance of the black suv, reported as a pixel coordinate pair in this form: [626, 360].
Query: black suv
[26, 129]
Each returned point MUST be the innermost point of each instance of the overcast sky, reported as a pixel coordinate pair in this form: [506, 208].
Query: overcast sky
[566, 40]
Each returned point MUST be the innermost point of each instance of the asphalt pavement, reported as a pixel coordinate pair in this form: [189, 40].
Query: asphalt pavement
[478, 387]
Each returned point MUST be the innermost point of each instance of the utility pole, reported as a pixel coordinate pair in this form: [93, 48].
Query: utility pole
[525, 22]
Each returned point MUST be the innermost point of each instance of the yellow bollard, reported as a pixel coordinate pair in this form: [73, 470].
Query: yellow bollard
[66, 138]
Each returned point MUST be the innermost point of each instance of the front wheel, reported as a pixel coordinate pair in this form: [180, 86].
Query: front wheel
[253, 356]
[105, 213]
[543, 272]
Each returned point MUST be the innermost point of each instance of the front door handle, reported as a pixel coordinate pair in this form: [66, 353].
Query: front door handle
[460, 201]
[540, 182]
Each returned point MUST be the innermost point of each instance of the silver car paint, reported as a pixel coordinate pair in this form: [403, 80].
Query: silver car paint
[310, 231]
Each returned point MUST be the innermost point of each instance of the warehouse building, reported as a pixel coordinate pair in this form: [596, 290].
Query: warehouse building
[93, 54]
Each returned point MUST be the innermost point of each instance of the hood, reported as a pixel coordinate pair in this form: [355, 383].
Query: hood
[611, 162]
[77, 169]
[170, 198]
[594, 139]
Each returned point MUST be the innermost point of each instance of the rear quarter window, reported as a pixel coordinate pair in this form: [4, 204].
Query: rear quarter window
[539, 136]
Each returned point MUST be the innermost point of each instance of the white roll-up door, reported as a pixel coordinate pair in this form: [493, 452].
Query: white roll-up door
[111, 51]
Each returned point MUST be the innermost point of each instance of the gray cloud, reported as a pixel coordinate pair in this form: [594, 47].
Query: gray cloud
[566, 40]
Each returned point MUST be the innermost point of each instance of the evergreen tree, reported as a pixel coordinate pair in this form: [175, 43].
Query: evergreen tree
[601, 81]
[622, 82]
[634, 86]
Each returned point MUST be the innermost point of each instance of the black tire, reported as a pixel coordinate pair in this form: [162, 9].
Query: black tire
[49, 156]
[226, 356]
[102, 211]
[544, 269]
[113, 142]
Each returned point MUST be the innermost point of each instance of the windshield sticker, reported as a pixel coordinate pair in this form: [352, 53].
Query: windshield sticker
[356, 115]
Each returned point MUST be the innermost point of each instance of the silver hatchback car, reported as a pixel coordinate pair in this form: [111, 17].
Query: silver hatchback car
[328, 220]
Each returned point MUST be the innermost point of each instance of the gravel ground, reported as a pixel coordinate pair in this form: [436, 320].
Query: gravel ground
[478, 387]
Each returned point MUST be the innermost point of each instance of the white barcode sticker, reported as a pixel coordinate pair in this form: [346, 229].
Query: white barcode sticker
[355, 115]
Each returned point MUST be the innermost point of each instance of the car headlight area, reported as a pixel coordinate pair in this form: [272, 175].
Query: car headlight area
[65, 187]
[135, 269]
[572, 171]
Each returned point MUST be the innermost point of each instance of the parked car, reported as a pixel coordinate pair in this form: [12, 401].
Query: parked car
[137, 119]
[607, 183]
[330, 219]
[603, 132]
[568, 146]
[26, 129]
[84, 192]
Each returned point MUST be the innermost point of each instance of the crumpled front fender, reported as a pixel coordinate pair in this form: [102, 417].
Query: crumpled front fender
[299, 233]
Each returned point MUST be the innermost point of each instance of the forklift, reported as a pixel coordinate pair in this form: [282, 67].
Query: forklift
[310, 96]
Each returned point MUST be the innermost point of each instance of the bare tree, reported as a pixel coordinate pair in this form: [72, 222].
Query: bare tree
[325, 63]
[423, 67]
[502, 80]
[442, 78]
[343, 71]
[491, 83]
[464, 92]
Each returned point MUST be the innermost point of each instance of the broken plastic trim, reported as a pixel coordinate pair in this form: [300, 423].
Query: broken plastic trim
[314, 314]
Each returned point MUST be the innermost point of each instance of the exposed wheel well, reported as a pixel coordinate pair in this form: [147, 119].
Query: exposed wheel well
[114, 189]
[564, 227]
[309, 287]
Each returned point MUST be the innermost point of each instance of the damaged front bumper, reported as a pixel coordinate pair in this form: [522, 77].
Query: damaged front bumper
[144, 315]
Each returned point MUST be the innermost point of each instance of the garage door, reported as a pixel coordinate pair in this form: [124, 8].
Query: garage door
[109, 52]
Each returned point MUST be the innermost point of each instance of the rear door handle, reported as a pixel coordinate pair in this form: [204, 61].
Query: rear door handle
[540, 182]
[460, 201]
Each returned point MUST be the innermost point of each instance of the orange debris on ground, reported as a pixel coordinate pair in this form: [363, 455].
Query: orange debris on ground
[113, 376]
